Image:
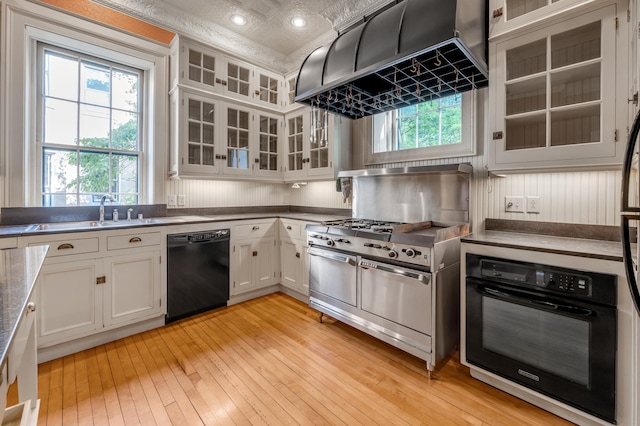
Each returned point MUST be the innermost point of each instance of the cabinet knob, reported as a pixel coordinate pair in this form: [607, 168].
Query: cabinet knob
[254, 254]
[255, 228]
[65, 246]
[31, 307]
[298, 255]
[289, 227]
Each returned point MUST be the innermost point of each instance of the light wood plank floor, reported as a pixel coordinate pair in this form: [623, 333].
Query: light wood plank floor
[267, 361]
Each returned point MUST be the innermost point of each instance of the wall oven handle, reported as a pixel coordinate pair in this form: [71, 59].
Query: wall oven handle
[396, 271]
[552, 306]
[332, 256]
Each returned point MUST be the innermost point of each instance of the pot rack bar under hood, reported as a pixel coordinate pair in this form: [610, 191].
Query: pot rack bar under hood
[414, 51]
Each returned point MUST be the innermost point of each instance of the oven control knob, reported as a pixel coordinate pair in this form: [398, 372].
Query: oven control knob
[410, 252]
[393, 254]
[330, 243]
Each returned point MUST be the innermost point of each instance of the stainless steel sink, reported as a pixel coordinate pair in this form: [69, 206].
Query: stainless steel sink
[90, 224]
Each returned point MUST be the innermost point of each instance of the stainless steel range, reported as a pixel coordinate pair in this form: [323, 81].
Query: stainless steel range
[396, 280]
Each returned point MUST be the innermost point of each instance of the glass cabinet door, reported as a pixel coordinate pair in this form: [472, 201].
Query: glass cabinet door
[268, 143]
[237, 139]
[198, 133]
[553, 94]
[268, 90]
[569, 65]
[238, 79]
[202, 68]
[295, 138]
[319, 140]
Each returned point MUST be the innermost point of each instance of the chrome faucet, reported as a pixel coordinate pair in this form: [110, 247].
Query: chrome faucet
[104, 197]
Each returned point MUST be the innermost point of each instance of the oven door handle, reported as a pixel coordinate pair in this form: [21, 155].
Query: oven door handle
[552, 306]
[331, 256]
[396, 271]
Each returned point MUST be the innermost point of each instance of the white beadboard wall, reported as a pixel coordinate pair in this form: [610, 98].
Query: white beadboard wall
[591, 198]
[226, 193]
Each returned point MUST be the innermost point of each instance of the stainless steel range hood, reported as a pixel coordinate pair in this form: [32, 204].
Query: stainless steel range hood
[412, 52]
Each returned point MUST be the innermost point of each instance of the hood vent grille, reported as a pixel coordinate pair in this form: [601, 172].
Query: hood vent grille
[410, 53]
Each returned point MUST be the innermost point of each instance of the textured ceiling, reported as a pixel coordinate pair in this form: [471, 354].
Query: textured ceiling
[268, 39]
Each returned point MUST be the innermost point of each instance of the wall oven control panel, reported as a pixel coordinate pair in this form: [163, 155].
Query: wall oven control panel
[559, 280]
[586, 285]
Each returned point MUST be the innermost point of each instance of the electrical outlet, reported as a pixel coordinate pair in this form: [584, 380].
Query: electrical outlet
[171, 200]
[181, 200]
[514, 204]
[533, 204]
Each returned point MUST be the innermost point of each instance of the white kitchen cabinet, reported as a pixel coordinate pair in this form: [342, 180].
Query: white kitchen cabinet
[133, 285]
[555, 94]
[196, 66]
[288, 99]
[197, 137]
[212, 138]
[254, 256]
[269, 88]
[309, 138]
[97, 282]
[509, 15]
[294, 267]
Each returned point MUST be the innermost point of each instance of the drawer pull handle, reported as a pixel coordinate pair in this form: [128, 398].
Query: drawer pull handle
[255, 228]
[135, 240]
[31, 307]
[65, 246]
[101, 280]
[289, 227]
[255, 253]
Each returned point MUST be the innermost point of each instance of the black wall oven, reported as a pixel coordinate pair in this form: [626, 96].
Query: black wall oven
[547, 328]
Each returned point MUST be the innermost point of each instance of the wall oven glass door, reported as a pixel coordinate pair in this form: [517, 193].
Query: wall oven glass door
[559, 347]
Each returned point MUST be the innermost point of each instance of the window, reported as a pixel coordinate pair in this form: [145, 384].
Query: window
[89, 128]
[436, 128]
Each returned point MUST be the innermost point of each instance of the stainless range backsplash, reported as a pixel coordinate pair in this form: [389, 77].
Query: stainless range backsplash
[412, 194]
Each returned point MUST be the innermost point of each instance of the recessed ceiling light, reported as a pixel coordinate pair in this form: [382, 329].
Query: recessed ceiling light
[238, 19]
[298, 22]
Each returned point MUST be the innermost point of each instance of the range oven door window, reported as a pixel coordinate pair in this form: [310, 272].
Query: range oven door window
[562, 348]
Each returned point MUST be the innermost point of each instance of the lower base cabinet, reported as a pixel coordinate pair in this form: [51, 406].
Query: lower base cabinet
[85, 288]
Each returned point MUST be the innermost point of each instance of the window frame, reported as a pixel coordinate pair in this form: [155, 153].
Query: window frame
[41, 145]
[384, 131]
[22, 28]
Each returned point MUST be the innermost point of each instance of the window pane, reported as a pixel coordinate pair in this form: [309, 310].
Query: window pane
[95, 84]
[125, 90]
[124, 133]
[63, 72]
[94, 173]
[59, 176]
[124, 180]
[60, 122]
[94, 126]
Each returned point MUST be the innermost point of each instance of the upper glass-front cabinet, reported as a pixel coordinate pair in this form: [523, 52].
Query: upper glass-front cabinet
[507, 15]
[554, 95]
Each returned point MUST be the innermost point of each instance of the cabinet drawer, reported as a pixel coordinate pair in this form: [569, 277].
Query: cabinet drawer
[118, 242]
[291, 229]
[71, 246]
[254, 229]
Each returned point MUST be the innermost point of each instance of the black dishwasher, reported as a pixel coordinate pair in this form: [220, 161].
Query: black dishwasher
[197, 272]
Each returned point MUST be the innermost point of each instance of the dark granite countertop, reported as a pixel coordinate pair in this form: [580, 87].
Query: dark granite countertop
[598, 242]
[24, 230]
[19, 269]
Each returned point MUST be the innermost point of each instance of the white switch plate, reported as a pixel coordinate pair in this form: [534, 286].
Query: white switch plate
[533, 204]
[171, 200]
[514, 204]
[181, 200]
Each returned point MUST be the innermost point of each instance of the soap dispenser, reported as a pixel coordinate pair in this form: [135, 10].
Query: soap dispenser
[115, 215]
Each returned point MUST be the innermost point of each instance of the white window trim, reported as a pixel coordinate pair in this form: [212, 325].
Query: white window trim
[382, 127]
[23, 25]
